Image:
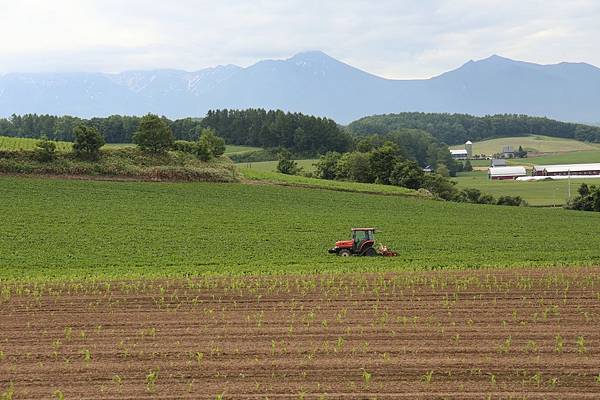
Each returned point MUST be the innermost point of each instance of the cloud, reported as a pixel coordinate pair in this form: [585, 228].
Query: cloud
[397, 39]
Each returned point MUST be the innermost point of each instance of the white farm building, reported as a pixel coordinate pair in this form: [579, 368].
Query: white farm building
[504, 173]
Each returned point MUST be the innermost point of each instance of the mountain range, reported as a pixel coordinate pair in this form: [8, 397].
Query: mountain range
[312, 83]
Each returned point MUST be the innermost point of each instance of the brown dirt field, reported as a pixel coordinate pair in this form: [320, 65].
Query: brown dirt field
[506, 334]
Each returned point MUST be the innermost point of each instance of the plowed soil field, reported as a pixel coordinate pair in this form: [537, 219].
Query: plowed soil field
[486, 334]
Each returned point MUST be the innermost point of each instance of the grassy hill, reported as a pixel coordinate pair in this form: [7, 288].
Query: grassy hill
[69, 228]
[271, 166]
[532, 143]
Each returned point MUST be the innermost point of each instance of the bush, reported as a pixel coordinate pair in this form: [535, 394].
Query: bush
[88, 141]
[185, 146]
[286, 165]
[45, 150]
[154, 135]
[588, 199]
[214, 144]
[511, 201]
[467, 167]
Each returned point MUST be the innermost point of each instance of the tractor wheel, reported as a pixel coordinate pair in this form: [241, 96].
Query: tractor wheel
[370, 252]
[344, 253]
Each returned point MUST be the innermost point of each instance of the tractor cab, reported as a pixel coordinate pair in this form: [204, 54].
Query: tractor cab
[361, 244]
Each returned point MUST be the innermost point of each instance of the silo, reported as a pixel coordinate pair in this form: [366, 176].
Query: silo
[469, 149]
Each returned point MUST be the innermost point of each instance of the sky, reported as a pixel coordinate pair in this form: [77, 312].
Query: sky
[401, 39]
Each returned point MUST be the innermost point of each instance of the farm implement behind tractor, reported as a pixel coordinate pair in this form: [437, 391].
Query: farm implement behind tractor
[361, 244]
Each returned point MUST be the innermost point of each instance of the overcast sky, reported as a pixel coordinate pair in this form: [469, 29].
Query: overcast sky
[395, 39]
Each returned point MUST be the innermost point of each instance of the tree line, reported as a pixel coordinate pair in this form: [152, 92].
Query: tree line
[458, 128]
[299, 133]
[115, 128]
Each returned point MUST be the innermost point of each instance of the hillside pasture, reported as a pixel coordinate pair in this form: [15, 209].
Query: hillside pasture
[271, 166]
[531, 143]
[571, 157]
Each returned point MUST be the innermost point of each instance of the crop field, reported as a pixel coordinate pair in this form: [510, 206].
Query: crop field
[540, 193]
[532, 143]
[13, 143]
[487, 334]
[56, 229]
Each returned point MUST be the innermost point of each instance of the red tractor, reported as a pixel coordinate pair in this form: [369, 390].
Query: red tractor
[361, 244]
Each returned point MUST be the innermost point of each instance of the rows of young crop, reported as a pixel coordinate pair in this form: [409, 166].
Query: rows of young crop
[488, 334]
[14, 143]
[56, 228]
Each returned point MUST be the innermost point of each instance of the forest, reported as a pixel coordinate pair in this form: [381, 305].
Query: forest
[458, 128]
[301, 134]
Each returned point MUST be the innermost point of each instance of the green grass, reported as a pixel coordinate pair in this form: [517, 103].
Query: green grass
[574, 157]
[14, 143]
[69, 229]
[271, 166]
[532, 143]
[340, 186]
[539, 193]
[233, 149]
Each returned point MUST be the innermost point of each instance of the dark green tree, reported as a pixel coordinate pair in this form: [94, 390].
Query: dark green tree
[382, 162]
[154, 135]
[88, 141]
[286, 165]
[407, 174]
[325, 168]
[467, 167]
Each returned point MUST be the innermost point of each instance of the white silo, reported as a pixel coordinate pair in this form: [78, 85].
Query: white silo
[469, 149]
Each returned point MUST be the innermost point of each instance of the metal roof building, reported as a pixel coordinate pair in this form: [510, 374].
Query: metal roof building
[506, 172]
[566, 169]
[459, 154]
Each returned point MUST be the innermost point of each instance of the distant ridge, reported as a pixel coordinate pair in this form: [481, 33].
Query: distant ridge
[313, 83]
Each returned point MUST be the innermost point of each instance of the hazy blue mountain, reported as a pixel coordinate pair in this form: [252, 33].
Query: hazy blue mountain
[313, 83]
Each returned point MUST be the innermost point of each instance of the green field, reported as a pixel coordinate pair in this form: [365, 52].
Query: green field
[271, 166]
[573, 157]
[540, 193]
[234, 149]
[536, 144]
[92, 229]
[13, 143]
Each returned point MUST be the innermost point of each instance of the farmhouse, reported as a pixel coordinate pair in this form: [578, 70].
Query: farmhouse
[566, 169]
[503, 173]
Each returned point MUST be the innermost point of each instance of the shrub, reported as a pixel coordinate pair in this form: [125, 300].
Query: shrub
[286, 165]
[511, 201]
[467, 167]
[214, 144]
[45, 150]
[88, 141]
[154, 135]
[185, 146]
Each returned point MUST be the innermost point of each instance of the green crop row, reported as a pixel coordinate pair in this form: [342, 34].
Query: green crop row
[76, 229]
